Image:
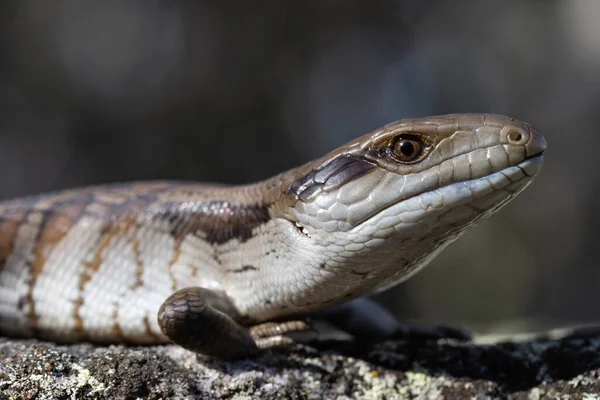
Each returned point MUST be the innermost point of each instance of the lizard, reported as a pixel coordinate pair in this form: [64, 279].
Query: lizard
[224, 270]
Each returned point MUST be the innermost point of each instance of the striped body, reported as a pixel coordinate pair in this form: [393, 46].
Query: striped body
[91, 264]
[97, 263]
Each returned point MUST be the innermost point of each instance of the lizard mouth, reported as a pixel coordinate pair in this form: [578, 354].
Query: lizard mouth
[481, 195]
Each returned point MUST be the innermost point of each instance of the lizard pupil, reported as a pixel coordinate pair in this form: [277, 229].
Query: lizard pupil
[407, 149]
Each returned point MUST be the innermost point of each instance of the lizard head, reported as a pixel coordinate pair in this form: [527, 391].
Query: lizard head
[385, 204]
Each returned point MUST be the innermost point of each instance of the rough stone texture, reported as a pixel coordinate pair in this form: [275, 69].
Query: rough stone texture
[557, 369]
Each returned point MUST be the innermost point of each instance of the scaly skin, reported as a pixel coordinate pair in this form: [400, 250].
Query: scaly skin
[97, 263]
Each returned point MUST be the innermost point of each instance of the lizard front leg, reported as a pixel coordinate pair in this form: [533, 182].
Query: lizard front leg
[201, 320]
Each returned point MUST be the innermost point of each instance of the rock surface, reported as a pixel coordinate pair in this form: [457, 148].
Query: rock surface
[567, 368]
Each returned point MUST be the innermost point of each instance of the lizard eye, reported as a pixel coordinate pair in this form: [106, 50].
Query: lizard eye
[407, 148]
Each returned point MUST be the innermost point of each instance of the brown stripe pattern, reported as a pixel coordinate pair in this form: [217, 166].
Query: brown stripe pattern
[217, 222]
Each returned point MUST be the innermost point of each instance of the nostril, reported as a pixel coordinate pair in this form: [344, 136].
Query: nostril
[515, 136]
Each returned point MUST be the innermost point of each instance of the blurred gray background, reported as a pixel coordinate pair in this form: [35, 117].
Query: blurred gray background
[236, 91]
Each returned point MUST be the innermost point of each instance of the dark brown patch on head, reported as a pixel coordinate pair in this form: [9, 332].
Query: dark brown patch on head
[330, 176]
[216, 222]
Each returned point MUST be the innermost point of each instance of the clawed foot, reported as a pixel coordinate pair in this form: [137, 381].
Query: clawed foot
[276, 334]
[202, 321]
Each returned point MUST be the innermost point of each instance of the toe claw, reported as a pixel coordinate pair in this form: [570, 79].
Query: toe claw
[273, 342]
[270, 329]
